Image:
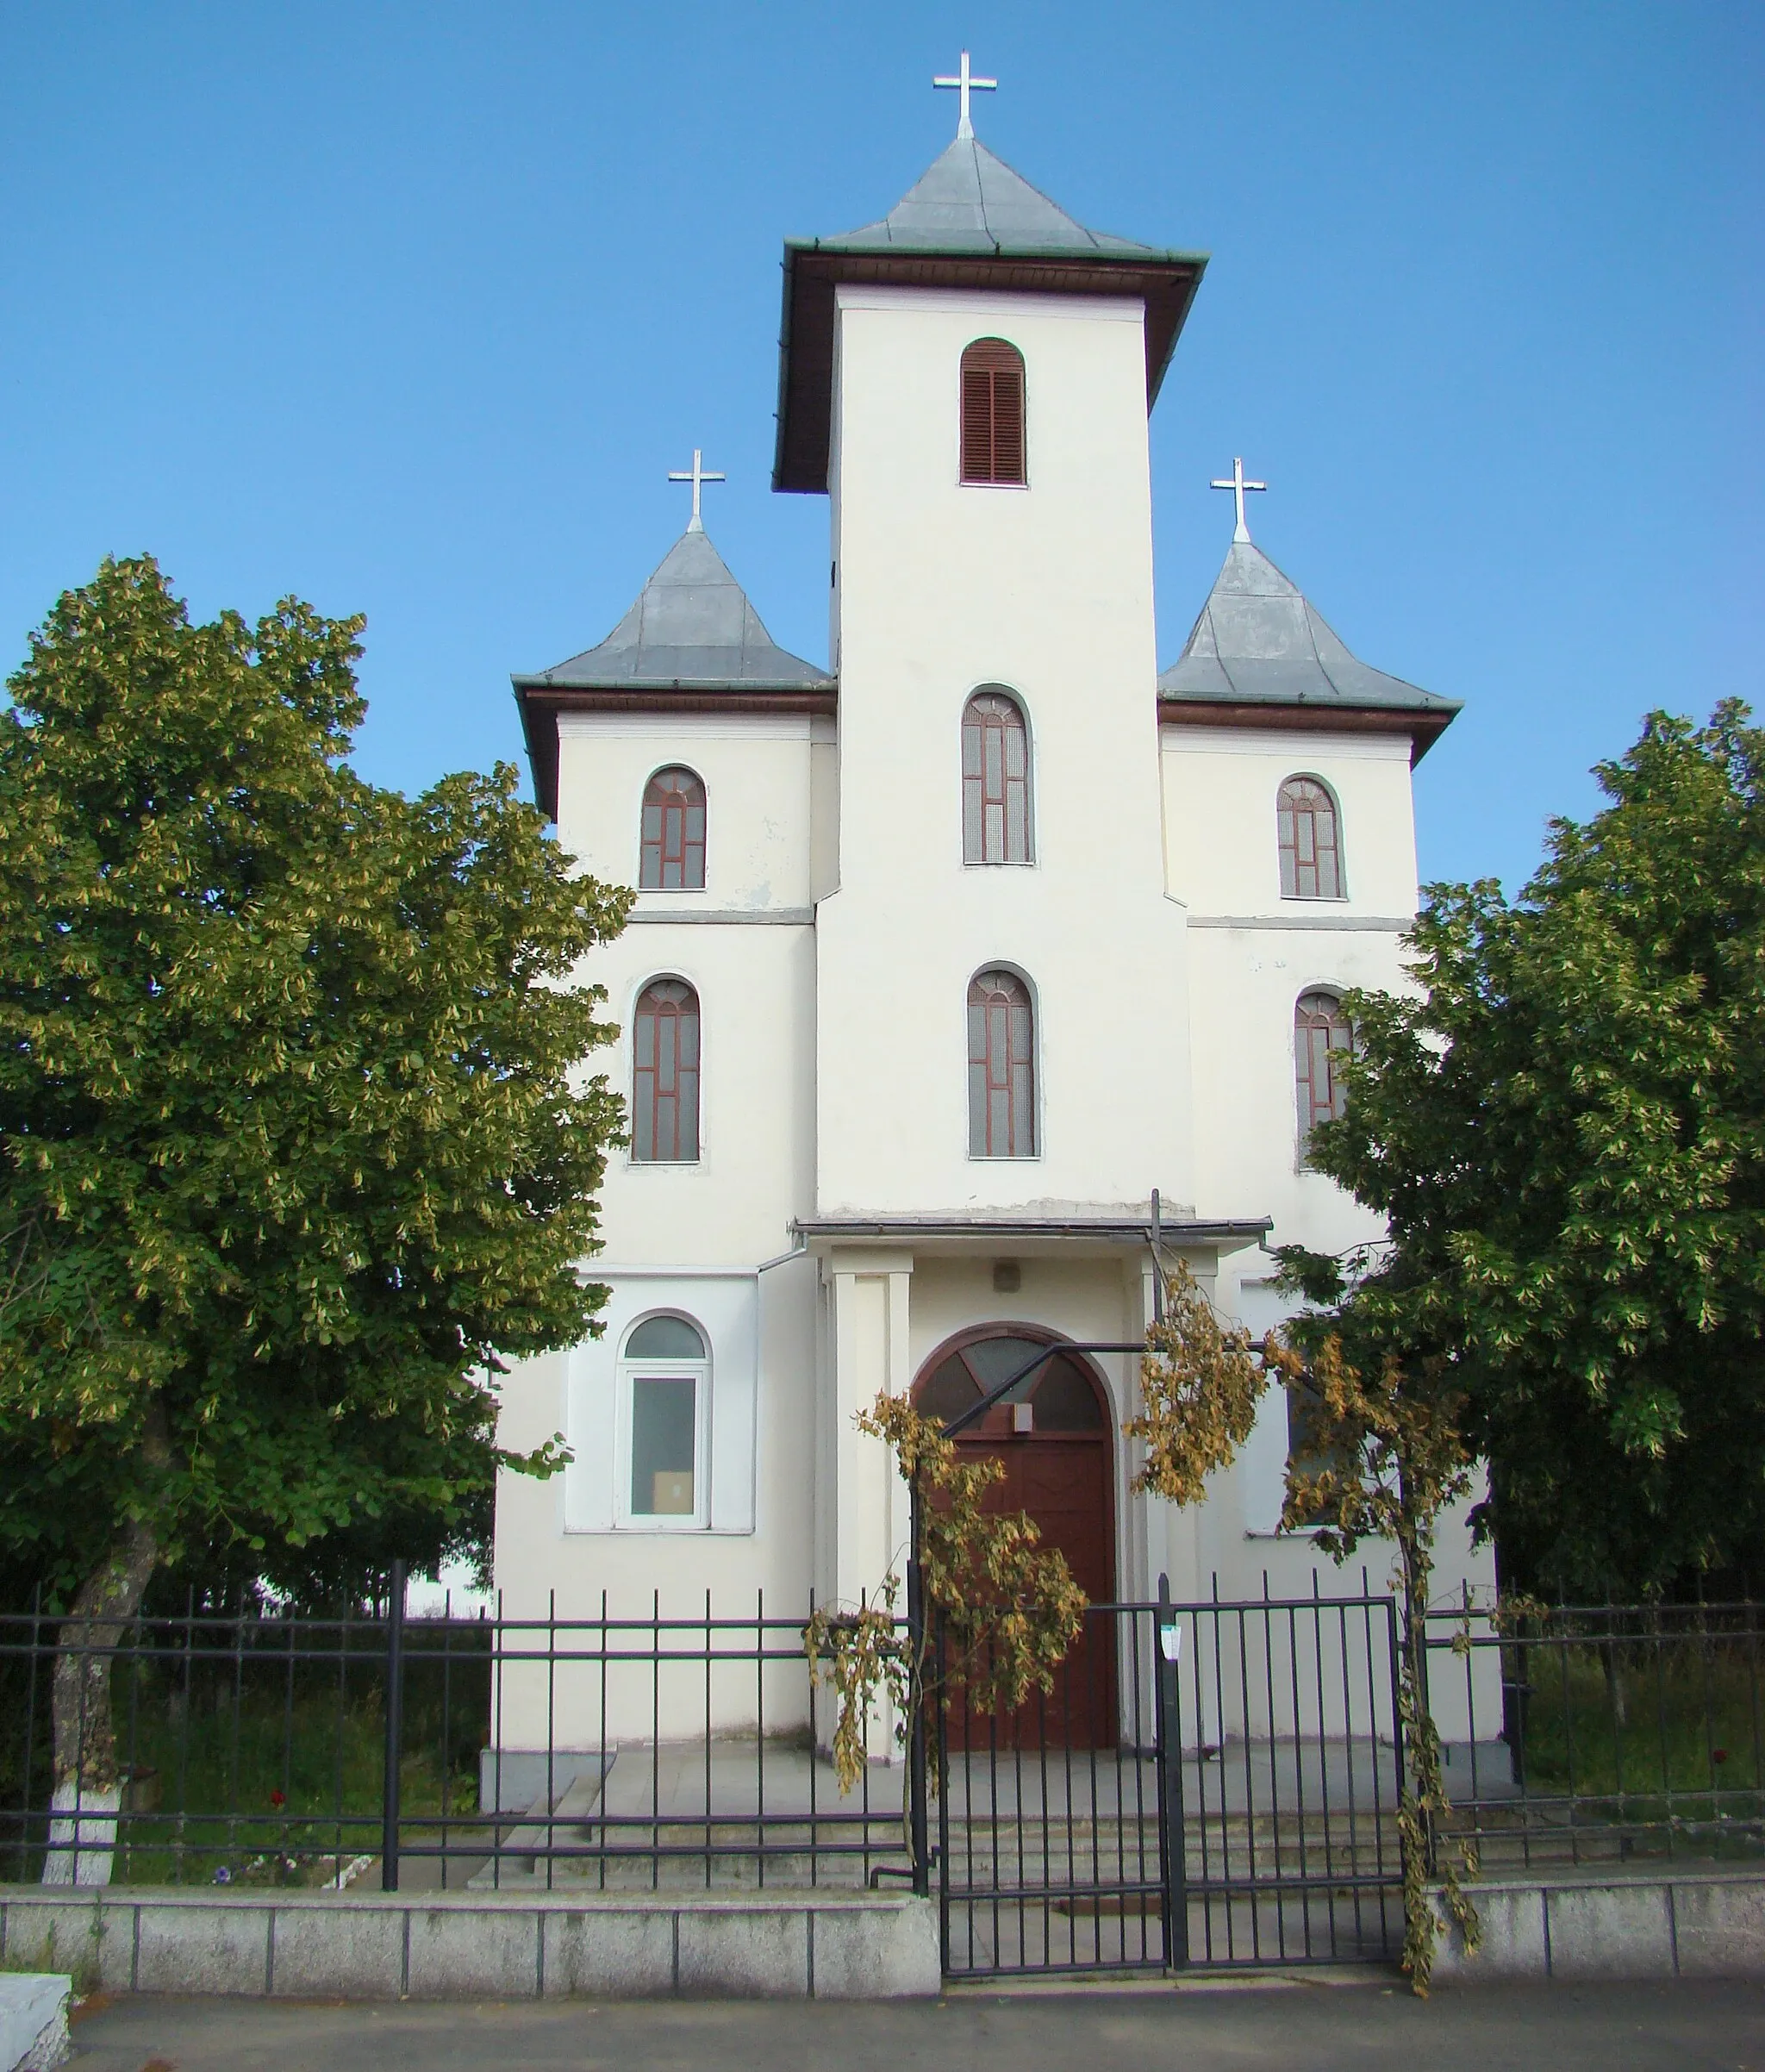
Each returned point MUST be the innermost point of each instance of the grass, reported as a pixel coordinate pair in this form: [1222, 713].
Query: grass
[1640, 1736]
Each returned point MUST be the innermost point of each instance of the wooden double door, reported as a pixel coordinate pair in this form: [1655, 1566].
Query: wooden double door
[1054, 1439]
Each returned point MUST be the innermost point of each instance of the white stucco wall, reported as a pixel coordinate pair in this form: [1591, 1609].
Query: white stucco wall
[832, 949]
[1047, 590]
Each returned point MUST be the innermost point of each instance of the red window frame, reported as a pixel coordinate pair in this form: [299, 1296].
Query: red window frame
[995, 780]
[1002, 1067]
[1321, 1034]
[1307, 829]
[672, 857]
[992, 386]
[664, 1103]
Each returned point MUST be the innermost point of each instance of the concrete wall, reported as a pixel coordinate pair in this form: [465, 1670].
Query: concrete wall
[1685, 1924]
[444, 1947]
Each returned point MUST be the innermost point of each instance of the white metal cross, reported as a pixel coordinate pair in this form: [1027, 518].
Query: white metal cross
[698, 475]
[1238, 485]
[965, 83]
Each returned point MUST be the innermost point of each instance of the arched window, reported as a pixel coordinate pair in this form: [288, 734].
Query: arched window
[1060, 1395]
[664, 1372]
[1002, 1068]
[1311, 840]
[992, 412]
[1322, 1037]
[996, 781]
[673, 858]
[664, 1103]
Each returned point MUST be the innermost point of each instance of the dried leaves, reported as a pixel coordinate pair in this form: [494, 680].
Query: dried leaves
[1009, 1608]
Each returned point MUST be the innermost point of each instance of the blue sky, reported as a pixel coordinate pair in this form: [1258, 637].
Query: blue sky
[409, 309]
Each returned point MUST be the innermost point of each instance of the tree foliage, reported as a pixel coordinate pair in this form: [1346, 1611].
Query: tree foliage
[1565, 1128]
[294, 1141]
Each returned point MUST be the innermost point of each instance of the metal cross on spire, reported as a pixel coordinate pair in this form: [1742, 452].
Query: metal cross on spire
[1238, 485]
[698, 475]
[965, 84]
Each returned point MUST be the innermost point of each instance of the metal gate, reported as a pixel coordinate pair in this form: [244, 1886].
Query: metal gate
[1231, 1801]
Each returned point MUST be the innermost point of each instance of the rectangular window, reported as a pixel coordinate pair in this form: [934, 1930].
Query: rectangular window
[664, 1422]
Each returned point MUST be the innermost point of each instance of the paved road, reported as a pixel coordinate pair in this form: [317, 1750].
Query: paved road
[1293, 2028]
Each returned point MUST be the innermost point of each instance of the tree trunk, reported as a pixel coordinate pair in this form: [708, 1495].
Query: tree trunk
[88, 1786]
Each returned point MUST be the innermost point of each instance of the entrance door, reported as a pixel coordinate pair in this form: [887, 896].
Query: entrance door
[1053, 1437]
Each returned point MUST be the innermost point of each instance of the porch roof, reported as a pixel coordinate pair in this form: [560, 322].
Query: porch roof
[1231, 1234]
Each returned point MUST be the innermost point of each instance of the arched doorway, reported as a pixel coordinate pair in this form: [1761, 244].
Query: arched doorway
[1053, 1437]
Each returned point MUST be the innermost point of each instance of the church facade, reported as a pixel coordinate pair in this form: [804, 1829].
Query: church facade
[946, 957]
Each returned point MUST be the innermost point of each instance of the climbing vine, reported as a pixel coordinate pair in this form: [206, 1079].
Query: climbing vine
[1009, 1608]
[1384, 1458]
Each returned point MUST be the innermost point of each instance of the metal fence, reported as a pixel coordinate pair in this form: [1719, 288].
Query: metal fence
[655, 1752]
[1212, 1784]
[1623, 1731]
[1207, 1784]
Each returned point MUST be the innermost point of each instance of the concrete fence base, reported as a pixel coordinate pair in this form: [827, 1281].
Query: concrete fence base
[1689, 1923]
[458, 1946]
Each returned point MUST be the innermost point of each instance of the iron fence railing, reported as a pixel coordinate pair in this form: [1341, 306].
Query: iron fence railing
[1620, 1730]
[1212, 1783]
[641, 1752]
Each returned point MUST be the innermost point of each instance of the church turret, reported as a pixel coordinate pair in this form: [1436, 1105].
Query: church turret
[968, 377]
[1261, 655]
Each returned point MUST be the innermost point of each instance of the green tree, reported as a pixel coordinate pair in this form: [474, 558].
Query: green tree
[1565, 1129]
[295, 1140]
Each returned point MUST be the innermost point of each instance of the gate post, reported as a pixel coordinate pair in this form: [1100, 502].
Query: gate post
[1173, 1862]
[394, 1729]
[917, 1698]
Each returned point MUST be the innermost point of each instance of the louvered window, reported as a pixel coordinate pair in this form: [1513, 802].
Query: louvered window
[673, 853]
[664, 1117]
[1310, 840]
[993, 412]
[996, 781]
[1323, 1037]
[1002, 1068]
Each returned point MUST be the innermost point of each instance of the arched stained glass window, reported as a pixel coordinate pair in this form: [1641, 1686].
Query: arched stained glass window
[996, 781]
[1322, 1037]
[1002, 1068]
[673, 853]
[993, 412]
[1311, 840]
[664, 1104]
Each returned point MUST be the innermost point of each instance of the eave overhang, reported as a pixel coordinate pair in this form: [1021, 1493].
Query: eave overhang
[980, 1232]
[541, 702]
[1423, 728]
[815, 268]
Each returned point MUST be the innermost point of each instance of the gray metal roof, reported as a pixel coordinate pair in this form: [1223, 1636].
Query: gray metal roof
[1259, 642]
[969, 201]
[692, 624]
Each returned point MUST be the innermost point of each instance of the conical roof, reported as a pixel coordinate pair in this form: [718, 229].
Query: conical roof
[1259, 641]
[967, 200]
[969, 222]
[692, 625]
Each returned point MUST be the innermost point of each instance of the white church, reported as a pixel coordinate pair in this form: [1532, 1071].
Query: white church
[946, 956]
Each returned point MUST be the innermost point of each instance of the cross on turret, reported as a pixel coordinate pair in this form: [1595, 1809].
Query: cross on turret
[965, 84]
[698, 475]
[1238, 485]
